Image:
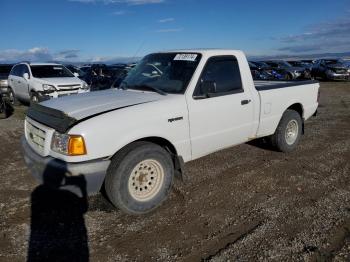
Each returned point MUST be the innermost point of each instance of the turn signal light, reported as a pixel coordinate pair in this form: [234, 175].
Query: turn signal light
[76, 146]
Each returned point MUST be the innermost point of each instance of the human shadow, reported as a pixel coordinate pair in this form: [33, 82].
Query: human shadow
[58, 231]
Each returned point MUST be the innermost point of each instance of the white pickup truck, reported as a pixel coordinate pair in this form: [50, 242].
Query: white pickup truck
[172, 108]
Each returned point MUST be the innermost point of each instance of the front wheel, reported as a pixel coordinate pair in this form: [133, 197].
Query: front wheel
[139, 178]
[288, 132]
[34, 98]
[12, 98]
[2, 108]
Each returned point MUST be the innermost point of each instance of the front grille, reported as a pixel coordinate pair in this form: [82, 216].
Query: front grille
[68, 89]
[36, 137]
[340, 71]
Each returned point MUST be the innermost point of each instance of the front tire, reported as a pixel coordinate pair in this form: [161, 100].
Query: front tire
[12, 97]
[2, 108]
[34, 98]
[288, 132]
[139, 178]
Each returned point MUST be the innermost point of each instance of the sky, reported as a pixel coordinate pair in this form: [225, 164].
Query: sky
[103, 30]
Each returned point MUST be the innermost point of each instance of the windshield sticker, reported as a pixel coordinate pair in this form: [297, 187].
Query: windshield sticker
[185, 57]
[57, 68]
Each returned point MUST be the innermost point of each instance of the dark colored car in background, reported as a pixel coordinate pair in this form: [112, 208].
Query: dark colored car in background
[101, 76]
[269, 72]
[330, 69]
[5, 70]
[291, 72]
[300, 63]
[5, 95]
[260, 72]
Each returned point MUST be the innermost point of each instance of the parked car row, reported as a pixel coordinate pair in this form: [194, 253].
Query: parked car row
[101, 76]
[325, 69]
[35, 82]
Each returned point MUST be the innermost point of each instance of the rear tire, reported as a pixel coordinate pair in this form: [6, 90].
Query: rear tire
[139, 178]
[288, 132]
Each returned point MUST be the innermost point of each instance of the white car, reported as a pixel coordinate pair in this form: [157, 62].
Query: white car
[172, 108]
[41, 81]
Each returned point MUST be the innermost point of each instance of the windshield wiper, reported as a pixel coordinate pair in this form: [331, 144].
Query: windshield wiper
[152, 88]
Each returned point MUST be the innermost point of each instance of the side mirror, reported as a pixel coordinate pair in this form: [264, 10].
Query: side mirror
[208, 87]
[76, 74]
[26, 76]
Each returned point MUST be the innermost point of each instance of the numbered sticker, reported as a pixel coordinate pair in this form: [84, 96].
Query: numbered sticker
[185, 57]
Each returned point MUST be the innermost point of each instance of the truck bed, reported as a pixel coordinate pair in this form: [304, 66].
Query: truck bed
[261, 85]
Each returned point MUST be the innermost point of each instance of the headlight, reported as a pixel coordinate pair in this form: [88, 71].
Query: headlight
[69, 145]
[85, 86]
[49, 88]
[4, 82]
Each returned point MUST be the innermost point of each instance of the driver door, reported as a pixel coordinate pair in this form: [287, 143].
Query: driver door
[224, 117]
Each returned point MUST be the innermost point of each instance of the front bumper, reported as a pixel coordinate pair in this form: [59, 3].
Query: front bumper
[44, 95]
[48, 169]
[335, 76]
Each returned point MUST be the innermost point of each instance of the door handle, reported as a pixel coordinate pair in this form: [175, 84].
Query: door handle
[245, 102]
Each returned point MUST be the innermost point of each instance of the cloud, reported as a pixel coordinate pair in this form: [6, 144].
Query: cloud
[326, 36]
[67, 54]
[166, 20]
[169, 30]
[33, 54]
[38, 54]
[128, 2]
[43, 54]
[300, 48]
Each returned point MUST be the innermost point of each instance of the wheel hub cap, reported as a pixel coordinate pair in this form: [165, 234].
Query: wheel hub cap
[292, 131]
[145, 180]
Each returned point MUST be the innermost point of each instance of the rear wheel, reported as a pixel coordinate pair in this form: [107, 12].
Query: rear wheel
[139, 178]
[288, 132]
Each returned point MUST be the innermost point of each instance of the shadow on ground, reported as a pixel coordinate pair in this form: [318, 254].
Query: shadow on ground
[58, 231]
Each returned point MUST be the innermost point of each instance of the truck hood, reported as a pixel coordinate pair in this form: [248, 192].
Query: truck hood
[92, 103]
[65, 112]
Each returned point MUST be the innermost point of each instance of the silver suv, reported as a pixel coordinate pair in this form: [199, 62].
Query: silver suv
[36, 82]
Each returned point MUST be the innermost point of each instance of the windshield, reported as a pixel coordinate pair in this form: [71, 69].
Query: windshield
[262, 64]
[5, 70]
[74, 69]
[168, 72]
[50, 71]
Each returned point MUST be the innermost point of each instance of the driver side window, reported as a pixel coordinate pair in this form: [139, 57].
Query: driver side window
[224, 74]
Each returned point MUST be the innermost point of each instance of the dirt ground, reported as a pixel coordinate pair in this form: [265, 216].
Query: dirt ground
[246, 203]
